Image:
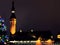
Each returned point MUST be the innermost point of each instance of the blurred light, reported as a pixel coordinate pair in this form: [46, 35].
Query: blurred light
[28, 41]
[0, 37]
[5, 43]
[38, 42]
[34, 36]
[33, 41]
[21, 41]
[7, 40]
[13, 41]
[51, 36]
[20, 30]
[58, 36]
[0, 23]
[24, 41]
[31, 30]
[13, 11]
[13, 26]
[2, 40]
[2, 20]
[49, 40]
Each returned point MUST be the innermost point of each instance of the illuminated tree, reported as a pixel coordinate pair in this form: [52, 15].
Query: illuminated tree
[3, 31]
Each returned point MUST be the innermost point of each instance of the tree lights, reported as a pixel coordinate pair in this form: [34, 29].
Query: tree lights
[3, 34]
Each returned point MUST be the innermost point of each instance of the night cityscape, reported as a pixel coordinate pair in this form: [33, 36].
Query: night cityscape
[29, 22]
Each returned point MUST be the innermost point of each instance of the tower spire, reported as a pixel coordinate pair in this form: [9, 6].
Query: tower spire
[13, 8]
[13, 20]
[13, 11]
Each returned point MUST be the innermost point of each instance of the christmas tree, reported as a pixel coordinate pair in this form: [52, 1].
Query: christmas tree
[3, 32]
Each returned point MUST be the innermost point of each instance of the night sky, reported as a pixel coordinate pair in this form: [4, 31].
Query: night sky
[36, 14]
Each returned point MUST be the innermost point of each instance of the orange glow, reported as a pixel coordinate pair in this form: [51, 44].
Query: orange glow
[13, 26]
[38, 42]
[49, 42]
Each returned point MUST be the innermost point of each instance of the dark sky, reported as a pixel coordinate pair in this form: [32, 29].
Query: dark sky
[37, 14]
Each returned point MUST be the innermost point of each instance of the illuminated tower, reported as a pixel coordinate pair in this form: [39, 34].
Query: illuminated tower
[13, 20]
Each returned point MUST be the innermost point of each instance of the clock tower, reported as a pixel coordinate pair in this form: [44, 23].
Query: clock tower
[12, 20]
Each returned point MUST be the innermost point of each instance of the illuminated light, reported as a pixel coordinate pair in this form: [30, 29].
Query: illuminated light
[14, 41]
[34, 36]
[24, 41]
[13, 30]
[20, 30]
[31, 30]
[7, 40]
[51, 36]
[28, 41]
[42, 41]
[0, 23]
[58, 36]
[38, 42]
[13, 26]
[49, 42]
[0, 37]
[5, 43]
[33, 41]
[2, 20]
[13, 11]
[21, 41]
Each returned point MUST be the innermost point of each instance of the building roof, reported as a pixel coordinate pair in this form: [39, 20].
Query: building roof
[28, 35]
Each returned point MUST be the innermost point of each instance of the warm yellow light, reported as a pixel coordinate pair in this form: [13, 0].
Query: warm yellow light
[49, 40]
[13, 26]
[13, 29]
[58, 36]
[38, 42]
